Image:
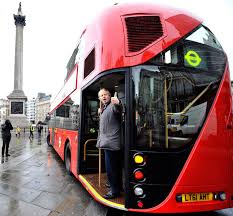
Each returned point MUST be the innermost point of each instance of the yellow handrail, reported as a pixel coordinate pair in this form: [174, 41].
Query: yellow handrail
[191, 103]
[85, 157]
[85, 148]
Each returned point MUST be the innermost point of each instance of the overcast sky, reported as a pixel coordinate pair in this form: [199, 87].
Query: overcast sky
[53, 28]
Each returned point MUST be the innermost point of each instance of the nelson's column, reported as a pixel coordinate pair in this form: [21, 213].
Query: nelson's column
[17, 98]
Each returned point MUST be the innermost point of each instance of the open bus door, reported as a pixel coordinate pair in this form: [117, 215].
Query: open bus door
[91, 159]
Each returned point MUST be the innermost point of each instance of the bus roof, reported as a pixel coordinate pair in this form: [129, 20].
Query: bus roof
[124, 35]
[131, 34]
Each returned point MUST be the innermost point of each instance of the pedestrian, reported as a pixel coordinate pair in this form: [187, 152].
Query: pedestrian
[6, 136]
[17, 131]
[39, 129]
[31, 129]
[109, 139]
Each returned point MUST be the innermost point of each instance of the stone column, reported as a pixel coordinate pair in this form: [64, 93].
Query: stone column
[17, 98]
[20, 23]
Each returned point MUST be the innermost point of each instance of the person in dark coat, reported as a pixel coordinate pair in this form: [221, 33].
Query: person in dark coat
[39, 128]
[6, 136]
[109, 139]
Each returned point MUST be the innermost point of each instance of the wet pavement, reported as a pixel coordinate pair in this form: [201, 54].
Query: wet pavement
[33, 182]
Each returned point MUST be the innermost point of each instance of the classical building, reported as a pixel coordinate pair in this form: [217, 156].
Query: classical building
[42, 107]
[4, 110]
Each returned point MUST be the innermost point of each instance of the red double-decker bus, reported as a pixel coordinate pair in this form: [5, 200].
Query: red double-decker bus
[172, 77]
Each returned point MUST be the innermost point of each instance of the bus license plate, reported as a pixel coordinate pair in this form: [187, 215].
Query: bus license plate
[197, 197]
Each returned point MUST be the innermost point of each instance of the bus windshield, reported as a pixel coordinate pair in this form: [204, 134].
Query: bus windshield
[174, 91]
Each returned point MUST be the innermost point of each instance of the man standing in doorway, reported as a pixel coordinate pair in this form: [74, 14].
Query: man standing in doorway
[109, 139]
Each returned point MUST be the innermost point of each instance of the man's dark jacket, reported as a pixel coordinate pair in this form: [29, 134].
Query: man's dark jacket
[110, 128]
[6, 129]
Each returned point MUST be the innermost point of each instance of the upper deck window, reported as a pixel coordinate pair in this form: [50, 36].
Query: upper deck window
[204, 36]
[199, 51]
[89, 64]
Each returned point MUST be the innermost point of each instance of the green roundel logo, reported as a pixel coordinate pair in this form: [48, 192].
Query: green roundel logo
[193, 58]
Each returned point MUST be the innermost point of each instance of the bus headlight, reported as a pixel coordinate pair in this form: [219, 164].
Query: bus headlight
[140, 204]
[138, 191]
[138, 175]
[138, 159]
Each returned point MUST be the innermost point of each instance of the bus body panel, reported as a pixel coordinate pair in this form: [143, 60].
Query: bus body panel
[59, 143]
[209, 147]
[198, 175]
[171, 206]
[62, 136]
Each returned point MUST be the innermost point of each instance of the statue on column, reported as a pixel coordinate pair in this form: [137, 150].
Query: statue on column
[20, 9]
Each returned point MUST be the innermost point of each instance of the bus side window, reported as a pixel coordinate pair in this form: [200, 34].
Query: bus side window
[91, 125]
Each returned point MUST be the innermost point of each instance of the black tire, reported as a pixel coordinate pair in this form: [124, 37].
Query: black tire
[48, 140]
[67, 158]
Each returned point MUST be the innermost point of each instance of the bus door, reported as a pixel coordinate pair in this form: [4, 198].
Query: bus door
[89, 124]
[91, 159]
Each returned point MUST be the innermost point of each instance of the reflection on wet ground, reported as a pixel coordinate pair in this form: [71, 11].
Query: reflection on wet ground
[33, 181]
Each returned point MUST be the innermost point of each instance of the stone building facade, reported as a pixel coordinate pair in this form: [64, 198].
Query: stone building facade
[31, 110]
[4, 110]
[42, 107]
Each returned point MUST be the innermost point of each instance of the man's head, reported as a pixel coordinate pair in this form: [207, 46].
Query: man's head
[104, 95]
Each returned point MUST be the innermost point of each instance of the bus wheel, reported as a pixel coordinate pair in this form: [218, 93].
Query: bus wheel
[48, 140]
[67, 158]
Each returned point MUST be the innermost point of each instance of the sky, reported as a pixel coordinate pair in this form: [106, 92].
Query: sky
[53, 28]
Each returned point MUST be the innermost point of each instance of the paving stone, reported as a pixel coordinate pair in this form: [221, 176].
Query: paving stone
[18, 192]
[48, 200]
[13, 207]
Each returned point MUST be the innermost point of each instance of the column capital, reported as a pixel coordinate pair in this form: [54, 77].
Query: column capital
[19, 20]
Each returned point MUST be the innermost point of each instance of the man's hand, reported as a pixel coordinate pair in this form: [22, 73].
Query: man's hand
[100, 111]
[114, 100]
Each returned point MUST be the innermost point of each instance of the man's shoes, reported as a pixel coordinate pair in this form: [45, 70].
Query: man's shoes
[111, 195]
[8, 155]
